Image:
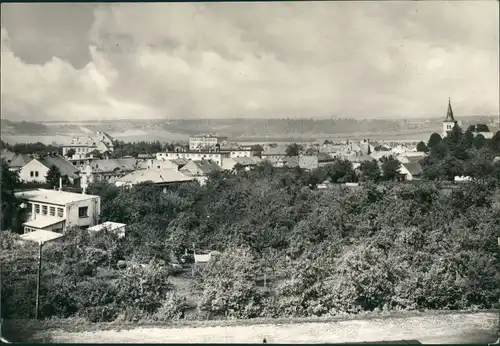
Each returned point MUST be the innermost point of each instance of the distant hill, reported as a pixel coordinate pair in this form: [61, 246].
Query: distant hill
[244, 129]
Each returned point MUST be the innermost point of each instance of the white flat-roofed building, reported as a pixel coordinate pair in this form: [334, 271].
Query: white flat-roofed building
[205, 142]
[114, 227]
[54, 210]
[216, 156]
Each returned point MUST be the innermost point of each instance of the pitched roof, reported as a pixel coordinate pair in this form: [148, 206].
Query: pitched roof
[106, 166]
[180, 161]
[247, 161]
[308, 162]
[413, 167]
[449, 114]
[202, 167]
[157, 176]
[64, 166]
[361, 158]
[7, 155]
[324, 157]
[19, 160]
[292, 161]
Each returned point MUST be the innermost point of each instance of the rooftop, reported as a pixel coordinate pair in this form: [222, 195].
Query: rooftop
[157, 176]
[111, 165]
[53, 196]
[41, 236]
[42, 221]
[111, 226]
[64, 166]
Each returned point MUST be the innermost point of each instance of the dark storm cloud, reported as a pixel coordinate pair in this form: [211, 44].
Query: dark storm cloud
[352, 59]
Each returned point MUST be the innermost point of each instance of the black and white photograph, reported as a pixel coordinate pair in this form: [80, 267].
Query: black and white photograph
[273, 172]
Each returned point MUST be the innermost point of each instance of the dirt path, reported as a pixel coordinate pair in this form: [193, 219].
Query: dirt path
[446, 329]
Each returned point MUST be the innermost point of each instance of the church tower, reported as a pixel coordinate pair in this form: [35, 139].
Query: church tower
[449, 122]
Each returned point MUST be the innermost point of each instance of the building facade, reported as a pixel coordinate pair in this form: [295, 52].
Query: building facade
[205, 142]
[82, 146]
[56, 211]
[216, 156]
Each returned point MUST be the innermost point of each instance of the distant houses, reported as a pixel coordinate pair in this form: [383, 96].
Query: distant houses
[107, 170]
[160, 177]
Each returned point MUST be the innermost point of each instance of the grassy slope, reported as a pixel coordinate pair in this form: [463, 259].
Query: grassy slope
[427, 327]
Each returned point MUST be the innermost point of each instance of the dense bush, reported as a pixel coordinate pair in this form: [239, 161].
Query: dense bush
[382, 246]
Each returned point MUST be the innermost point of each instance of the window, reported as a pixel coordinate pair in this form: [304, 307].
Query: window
[31, 173]
[52, 211]
[37, 208]
[36, 173]
[83, 212]
[60, 212]
[30, 207]
[44, 210]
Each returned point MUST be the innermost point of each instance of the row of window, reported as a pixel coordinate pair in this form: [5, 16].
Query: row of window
[33, 173]
[46, 210]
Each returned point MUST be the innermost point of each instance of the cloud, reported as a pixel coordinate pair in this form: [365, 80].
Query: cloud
[220, 60]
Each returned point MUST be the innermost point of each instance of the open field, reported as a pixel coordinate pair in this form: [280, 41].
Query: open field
[427, 327]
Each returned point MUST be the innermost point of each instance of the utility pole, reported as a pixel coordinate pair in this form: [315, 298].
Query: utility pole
[40, 244]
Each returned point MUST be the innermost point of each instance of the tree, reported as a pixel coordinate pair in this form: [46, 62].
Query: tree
[422, 147]
[95, 154]
[9, 201]
[390, 168]
[468, 139]
[341, 171]
[229, 287]
[454, 137]
[370, 170]
[293, 149]
[70, 153]
[434, 140]
[479, 141]
[482, 128]
[53, 176]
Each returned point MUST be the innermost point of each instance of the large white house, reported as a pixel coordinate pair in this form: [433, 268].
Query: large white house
[36, 170]
[56, 210]
[205, 142]
[101, 142]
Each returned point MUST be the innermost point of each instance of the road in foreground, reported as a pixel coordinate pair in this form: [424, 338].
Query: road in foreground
[454, 328]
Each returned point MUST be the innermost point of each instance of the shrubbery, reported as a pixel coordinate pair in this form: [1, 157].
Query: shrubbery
[385, 246]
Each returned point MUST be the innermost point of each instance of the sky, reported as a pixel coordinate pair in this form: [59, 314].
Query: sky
[249, 60]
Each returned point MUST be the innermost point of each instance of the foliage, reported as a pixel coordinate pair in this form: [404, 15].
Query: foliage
[390, 168]
[384, 245]
[370, 171]
[293, 149]
[53, 176]
[70, 153]
[229, 287]
[434, 140]
[421, 146]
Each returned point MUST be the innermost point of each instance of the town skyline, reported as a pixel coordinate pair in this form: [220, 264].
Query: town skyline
[248, 60]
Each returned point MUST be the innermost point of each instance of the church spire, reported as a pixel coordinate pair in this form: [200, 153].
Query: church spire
[449, 114]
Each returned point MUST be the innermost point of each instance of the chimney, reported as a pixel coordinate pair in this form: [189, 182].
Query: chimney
[60, 184]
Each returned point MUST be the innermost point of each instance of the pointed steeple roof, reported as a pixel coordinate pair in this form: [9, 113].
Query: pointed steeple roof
[449, 114]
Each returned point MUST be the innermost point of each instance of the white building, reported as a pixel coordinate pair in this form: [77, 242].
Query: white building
[101, 142]
[36, 170]
[114, 227]
[205, 142]
[53, 210]
[217, 157]
[449, 122]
